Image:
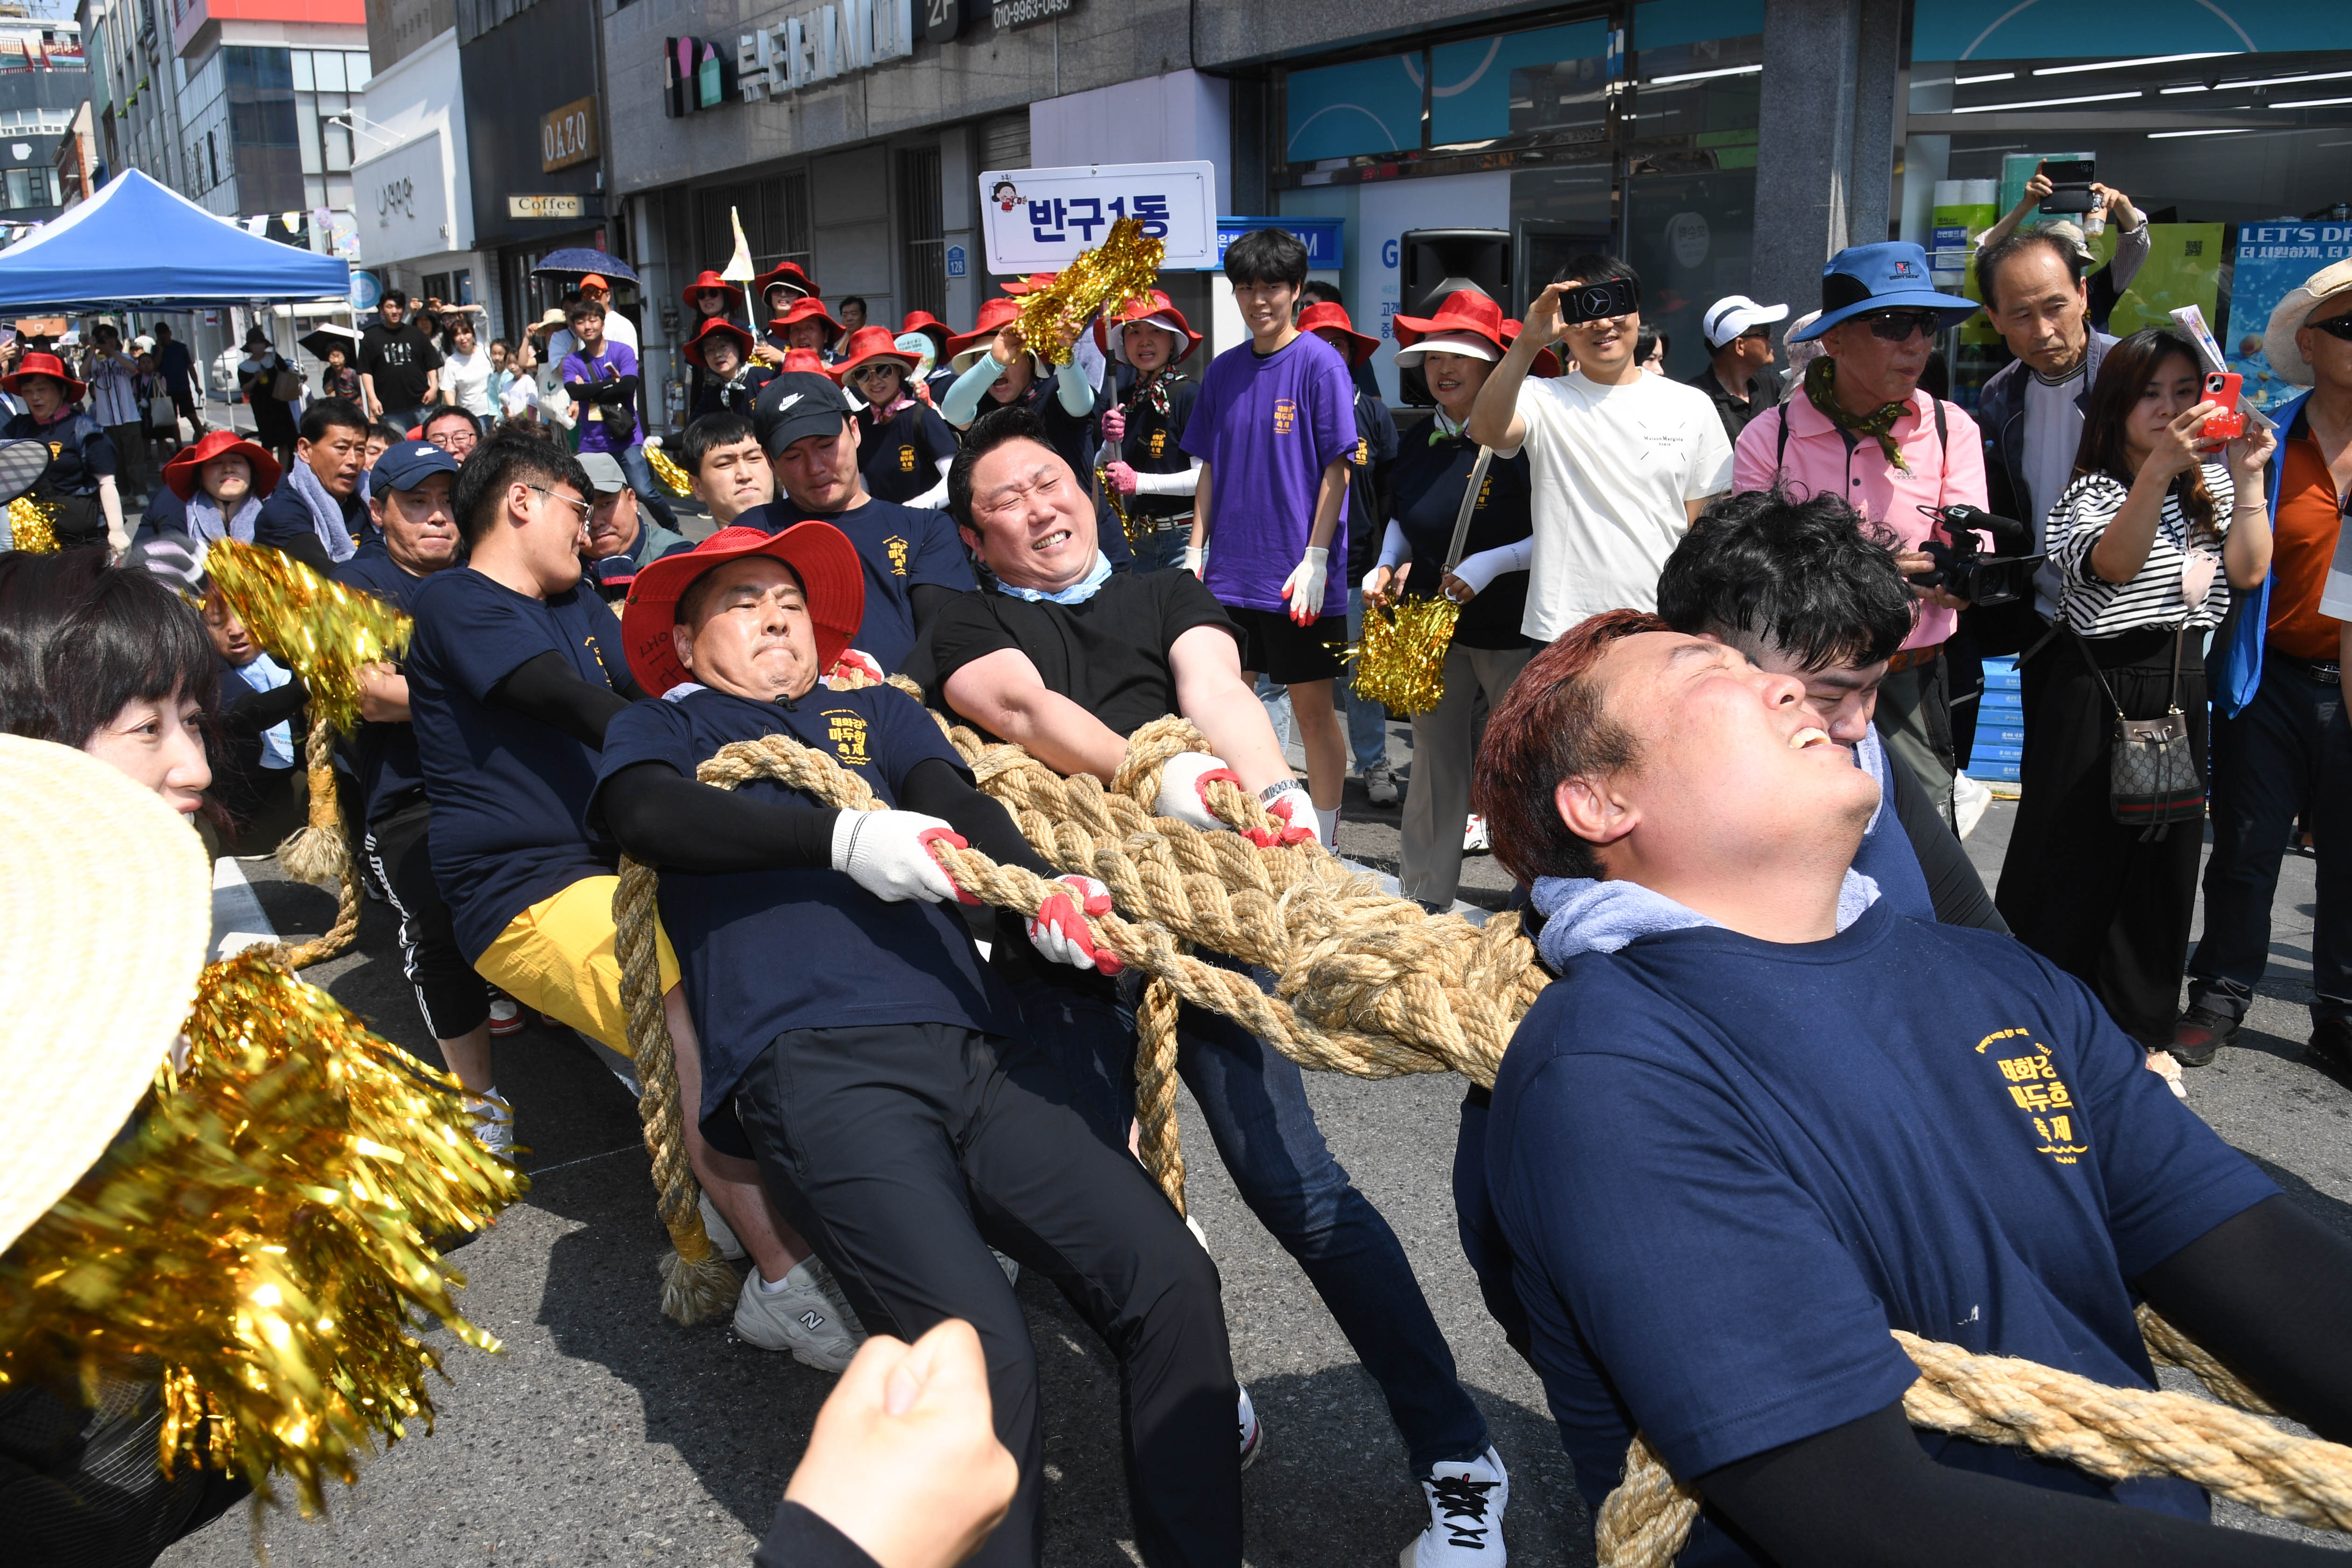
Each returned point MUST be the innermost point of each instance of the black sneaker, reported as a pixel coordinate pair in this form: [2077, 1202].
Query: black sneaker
[2199, 1033]
[2331, 1045]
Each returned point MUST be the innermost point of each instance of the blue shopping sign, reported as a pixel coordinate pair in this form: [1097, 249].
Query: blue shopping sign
[955, 263]
[1321, 237]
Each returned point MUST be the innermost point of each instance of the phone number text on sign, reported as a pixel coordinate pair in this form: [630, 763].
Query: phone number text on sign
[1028, 12]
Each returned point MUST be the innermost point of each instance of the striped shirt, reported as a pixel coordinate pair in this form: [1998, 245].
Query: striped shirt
[2099, 608]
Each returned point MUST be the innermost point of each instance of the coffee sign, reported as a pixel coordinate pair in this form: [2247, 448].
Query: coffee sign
[567, 135]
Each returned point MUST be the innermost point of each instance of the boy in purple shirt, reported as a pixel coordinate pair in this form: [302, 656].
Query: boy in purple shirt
[1272, 429]
[602, 378]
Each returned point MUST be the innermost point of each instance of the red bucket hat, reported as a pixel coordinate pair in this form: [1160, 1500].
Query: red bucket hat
[181, 473]
[1155, 311]
[819, 554]
[995, 315]
[49, 365]
[807, 360]
[1031, 284]
[809, 308]
[710, 279]
[1324, 314]
[788, 273]
[867, 345]
[1463, 312]
[1547, 363]
[925, 322]
[716, 327]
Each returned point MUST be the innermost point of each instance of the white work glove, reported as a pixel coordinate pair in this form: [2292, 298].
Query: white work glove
[1184, 779]
[1304, 587]
[1196, 560]
[853, 663]
[1289, 803]
[1059, 930]
[888, 853]
[180, 565]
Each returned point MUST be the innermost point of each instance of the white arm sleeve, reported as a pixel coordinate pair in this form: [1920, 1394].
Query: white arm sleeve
[1393, 545]
[1484, 567]
[1182, 484]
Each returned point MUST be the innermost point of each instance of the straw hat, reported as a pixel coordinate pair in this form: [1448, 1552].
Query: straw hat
[2326, 286]
[87, 851]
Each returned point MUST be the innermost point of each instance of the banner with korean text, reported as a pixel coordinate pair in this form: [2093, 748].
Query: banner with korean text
[1038, 220]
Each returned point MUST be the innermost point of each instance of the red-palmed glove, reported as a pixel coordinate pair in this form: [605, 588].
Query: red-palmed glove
[1184, 780]
[1059, 931]
[852, 662]
[1288, 805]
[888, 853]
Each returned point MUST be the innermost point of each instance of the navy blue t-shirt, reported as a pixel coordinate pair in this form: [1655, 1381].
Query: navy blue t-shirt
[285, 520]
[899, 547]
[1727, 1167]
[507, 793]
[391, 776]
[900, 456]
[80, 452]
[767, 951]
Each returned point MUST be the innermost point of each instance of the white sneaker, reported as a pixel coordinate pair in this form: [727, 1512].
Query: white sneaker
[1473, 835]
[1380, 785]
[493, 1122]
[506, 1016]
[1465, 1516]
[1252, 1435]
[799, 1316]
[723, 1239]
[1971, 799]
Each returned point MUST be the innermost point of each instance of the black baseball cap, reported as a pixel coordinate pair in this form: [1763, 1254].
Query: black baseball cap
[796, 405]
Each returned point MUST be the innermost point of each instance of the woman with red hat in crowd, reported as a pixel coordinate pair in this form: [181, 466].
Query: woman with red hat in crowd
[807, 324]
[710, 298]
[726, 379]
[213, 490]
[905, 448]
[1455, 350]
[1147, 343]
[931, 378]
[79, 486]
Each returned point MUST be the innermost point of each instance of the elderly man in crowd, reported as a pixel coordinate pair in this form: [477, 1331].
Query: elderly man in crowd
[622, 542]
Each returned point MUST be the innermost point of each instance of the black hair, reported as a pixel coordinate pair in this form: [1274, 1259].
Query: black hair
[331, 413]
[989, 432]
[689, 600]
[580, 307]
[1812, 578]
[509, 458]
[1646, 341]
[2130, 366]
[708, 433]
[80, 639]
[383, 430]
[858, 299]
[1990, 260]
[449, 331]
[1319, 291]
[395, 296]
[1267, 256]
[1593, 266]
[443, 411]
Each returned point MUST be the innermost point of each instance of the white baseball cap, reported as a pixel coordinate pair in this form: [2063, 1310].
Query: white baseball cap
[1734, 314]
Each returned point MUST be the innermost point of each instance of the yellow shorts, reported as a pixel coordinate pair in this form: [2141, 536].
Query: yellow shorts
[557, 955]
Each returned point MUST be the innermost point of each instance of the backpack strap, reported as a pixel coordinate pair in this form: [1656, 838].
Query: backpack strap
[1780, 445]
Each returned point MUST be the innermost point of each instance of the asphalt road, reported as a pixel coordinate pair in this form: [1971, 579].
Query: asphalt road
[605, 1434]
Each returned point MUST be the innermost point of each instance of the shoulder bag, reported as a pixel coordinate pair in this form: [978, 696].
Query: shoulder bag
[2152, 779]
[287, 384]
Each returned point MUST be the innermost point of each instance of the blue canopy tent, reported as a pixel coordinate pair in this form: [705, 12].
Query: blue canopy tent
[137, 245]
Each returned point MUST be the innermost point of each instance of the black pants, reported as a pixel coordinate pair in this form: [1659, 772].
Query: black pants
[904, 1151]
[454, 1000]
[2108, 904]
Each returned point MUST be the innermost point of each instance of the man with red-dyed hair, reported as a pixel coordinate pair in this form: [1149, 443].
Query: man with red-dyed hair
[1764, 1118]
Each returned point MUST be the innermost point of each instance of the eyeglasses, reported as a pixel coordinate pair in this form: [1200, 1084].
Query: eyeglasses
[583, 509]
[2338, 327]
[1897, 326]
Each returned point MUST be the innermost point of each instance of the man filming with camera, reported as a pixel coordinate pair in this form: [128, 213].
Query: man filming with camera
[1621, 461]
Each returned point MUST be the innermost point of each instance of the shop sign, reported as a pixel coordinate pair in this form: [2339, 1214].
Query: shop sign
[567, 135]
[1011, 14]
[1036, 219]
[556, 205]
[1321, 237]
[696, 74]
[823, 43]
[403, 207]
[957, 265]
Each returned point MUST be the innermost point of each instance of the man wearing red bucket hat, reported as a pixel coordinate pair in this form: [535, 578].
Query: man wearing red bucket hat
[880, 1078]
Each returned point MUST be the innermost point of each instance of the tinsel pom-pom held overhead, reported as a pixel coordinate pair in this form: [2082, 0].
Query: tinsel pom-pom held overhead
[1121, 269]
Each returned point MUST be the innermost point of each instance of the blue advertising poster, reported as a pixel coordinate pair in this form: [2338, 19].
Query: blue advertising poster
[2272, 259]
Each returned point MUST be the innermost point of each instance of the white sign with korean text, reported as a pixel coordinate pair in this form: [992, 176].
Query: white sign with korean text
[1037, 220]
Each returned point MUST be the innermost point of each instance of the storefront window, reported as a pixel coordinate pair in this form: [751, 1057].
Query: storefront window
[1692, 238]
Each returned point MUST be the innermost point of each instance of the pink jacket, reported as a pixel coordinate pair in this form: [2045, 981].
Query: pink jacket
[1819, 459]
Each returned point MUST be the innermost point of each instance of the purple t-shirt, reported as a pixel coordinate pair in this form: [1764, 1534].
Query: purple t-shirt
[1267, 428]
[611, 359]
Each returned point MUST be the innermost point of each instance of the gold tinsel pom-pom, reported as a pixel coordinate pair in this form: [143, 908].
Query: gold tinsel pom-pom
[263, 1234]
[322, 630]
[1121, 269]
[1401, 663]
[33, 525]
[666, 468]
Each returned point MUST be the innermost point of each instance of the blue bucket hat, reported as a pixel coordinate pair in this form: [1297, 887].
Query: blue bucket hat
[406, 465]
[1891, 275]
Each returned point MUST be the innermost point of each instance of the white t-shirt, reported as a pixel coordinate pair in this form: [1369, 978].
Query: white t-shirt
[467, 379]
[2054, 429]
[1612, 466]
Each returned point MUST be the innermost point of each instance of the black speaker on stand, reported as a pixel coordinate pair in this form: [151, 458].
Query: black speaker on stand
[1434, 262]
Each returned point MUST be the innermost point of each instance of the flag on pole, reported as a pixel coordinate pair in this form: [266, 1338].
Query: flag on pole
[739, 269]
[293, 222]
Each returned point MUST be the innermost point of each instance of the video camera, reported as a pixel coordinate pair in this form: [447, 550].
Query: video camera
[1964, 571]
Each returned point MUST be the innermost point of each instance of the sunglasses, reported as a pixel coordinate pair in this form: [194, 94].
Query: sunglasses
[2339, 326]
[1897, 326]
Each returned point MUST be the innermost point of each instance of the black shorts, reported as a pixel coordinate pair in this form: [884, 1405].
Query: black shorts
[1284, 651]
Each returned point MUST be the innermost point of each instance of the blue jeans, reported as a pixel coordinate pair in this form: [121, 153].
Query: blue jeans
[1162, 550]
[2291, 748]
[640, 470]
[1367, 722]
[1255, 1102]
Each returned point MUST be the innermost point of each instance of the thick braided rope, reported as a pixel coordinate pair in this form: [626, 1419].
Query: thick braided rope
[320, 851]
[2111, 1433]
